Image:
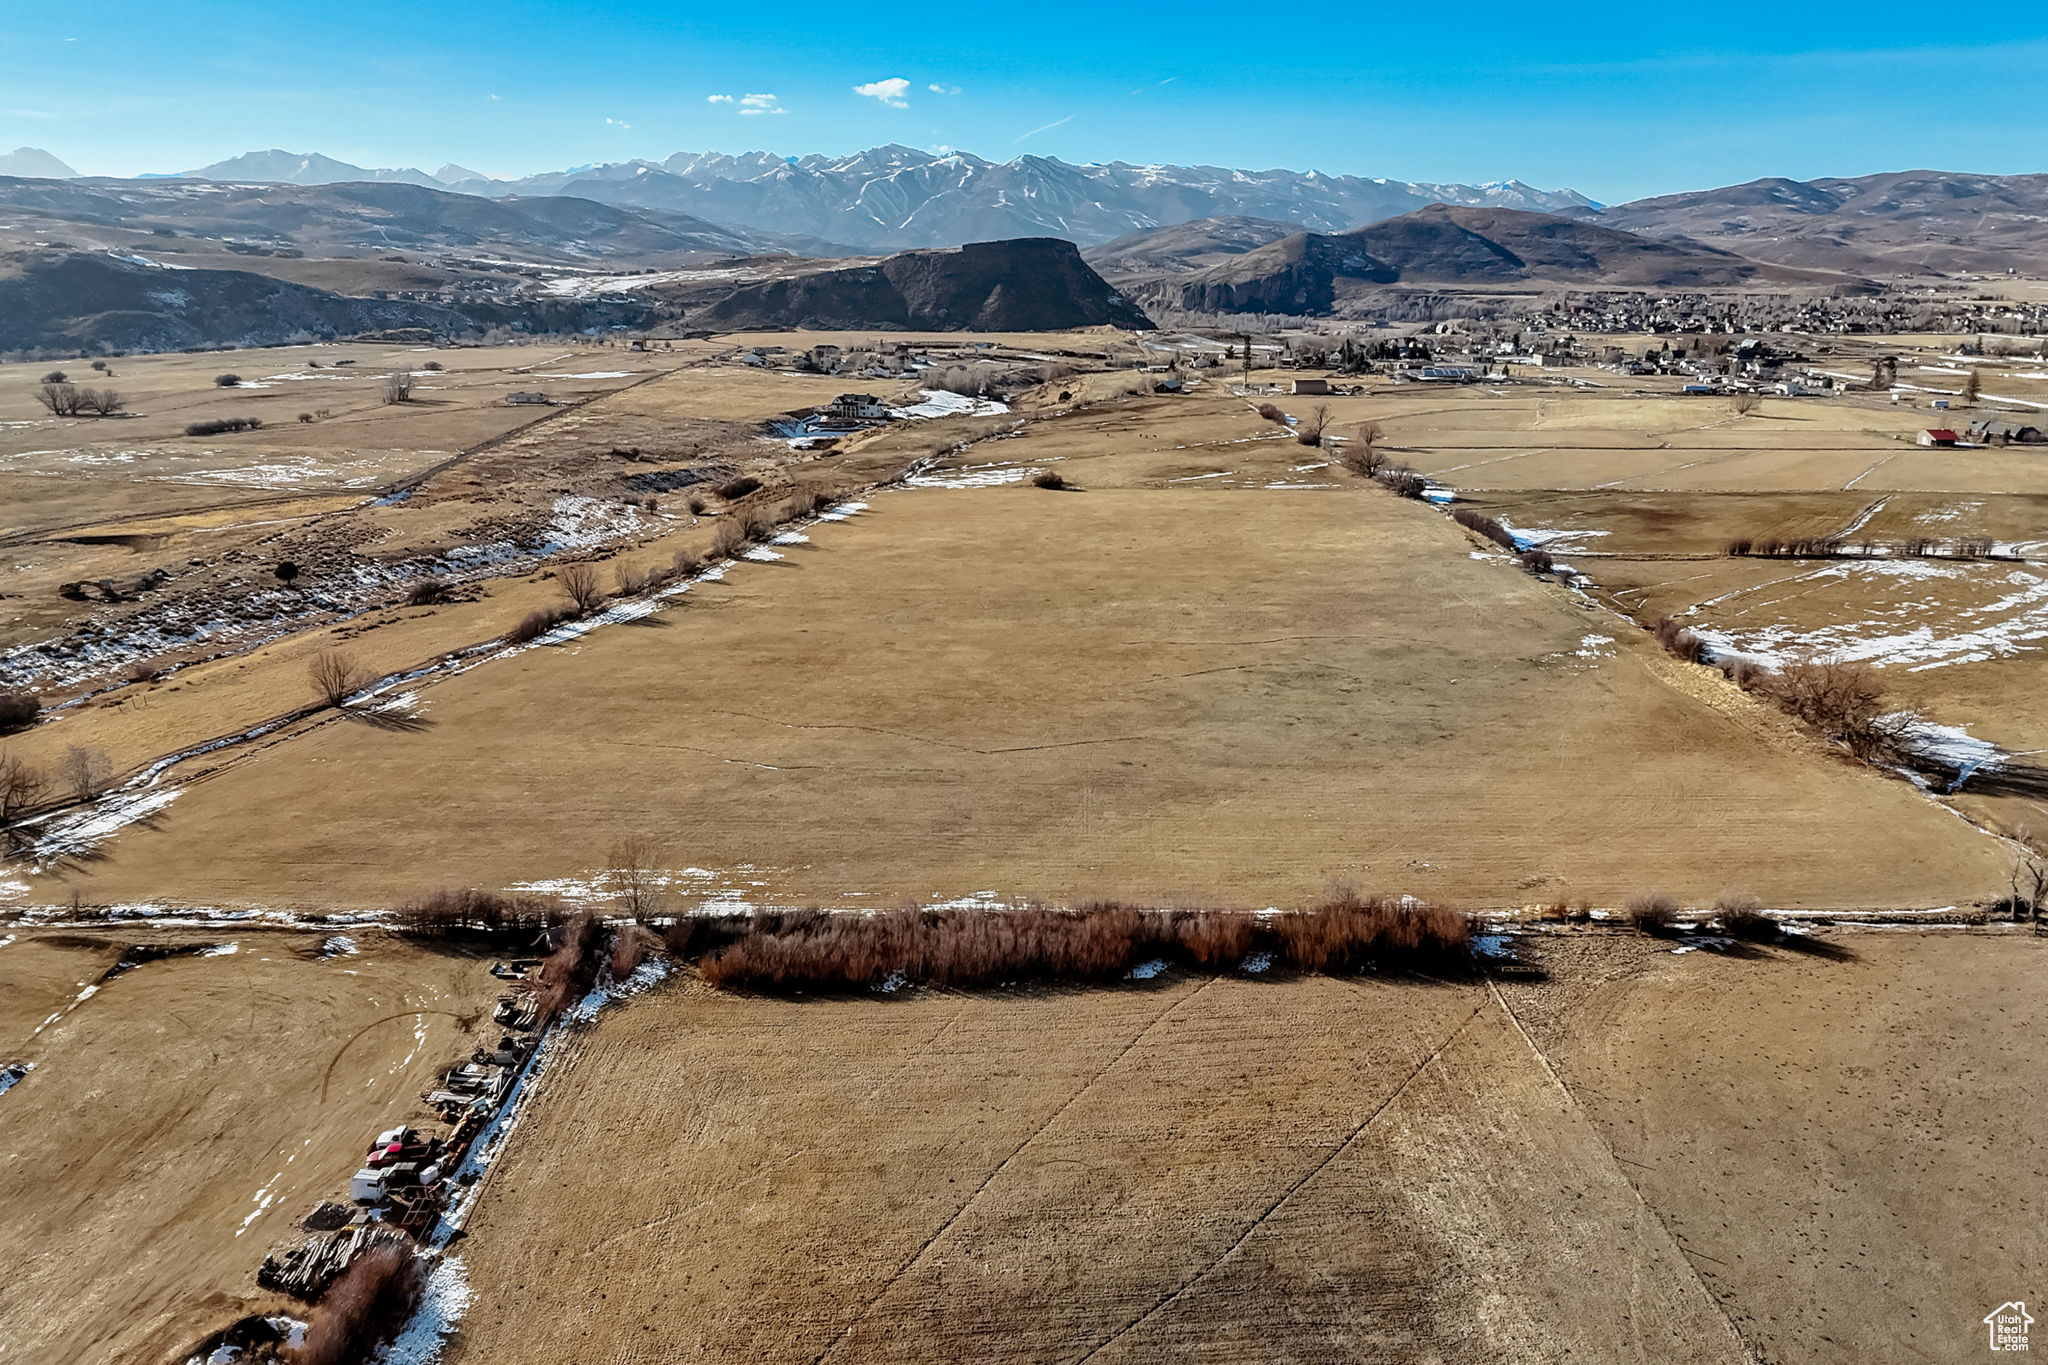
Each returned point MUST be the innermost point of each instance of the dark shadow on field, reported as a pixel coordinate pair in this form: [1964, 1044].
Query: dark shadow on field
[2027, 781]
[392, 721]
[1827, 949]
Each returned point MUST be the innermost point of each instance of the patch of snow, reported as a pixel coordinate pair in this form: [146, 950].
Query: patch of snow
[1256, 963]
[13, 1074]
[341, 945]
[939, 403]
[1145, 971]
[221, 950]
[976, 476]
[444, 1301]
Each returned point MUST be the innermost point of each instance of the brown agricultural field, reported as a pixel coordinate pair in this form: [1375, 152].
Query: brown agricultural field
[182, 1116]
[1781, 1156]
[1152, 689]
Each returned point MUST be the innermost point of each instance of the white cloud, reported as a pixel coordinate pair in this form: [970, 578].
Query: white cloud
[617, 123]
[937, 89]
[718, 99]
[889, 92]
[761, 104]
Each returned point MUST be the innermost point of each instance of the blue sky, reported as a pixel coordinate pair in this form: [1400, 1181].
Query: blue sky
[1617, 101]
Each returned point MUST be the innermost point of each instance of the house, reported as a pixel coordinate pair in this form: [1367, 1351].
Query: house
[1996, 431]
[518, 398]
[1939, 436]
[1309, 386]
[857, 407]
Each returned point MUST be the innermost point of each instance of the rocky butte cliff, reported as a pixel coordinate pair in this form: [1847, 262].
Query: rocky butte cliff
[1030, 284]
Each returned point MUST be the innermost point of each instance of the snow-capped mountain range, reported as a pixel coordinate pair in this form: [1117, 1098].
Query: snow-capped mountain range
[892, 198]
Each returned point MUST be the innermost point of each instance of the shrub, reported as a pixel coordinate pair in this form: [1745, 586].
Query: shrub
[1537, 560]
[633, 582]
[1402, 481]
[85, 772]
[397, 388]
[1351, 932]
[470, 911]
[730, 540]
[220, 425]
[18, 710]
[696, 505]
[1744, 917]
[953, 948]
[56, 377]
[1655, 914]
[732, 490]
[805, 502]
[1048, 478]
[1682, 641]
[1365, 460]
[1845, 703]
[433, 365]
[335, 677]
[1482, 525]
[364, 1307]
[1272, 413]
[227, 381]
[685, 563]
[426, 593]
[537, 623]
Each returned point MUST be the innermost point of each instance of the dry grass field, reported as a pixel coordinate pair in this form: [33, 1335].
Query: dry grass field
[1162, 687]
[1214, 669]
[182, 1117]
[1645, 1157]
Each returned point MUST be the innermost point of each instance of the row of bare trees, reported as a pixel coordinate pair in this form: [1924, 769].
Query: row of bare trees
[76, 400]
[82, 774]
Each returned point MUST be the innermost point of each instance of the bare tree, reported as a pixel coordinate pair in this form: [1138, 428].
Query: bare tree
[1310, 433]
[1973, 386]
[103, 402]
[633, 865]
[85, 772]
[1363, 455]
[398, 387]
[61, 399]
[22, 788]
[335, 677]
[2028, 878]
[1845, 702]
[579, 581]
[1744, 403]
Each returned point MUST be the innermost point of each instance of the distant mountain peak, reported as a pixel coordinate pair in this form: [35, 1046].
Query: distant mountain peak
[33, 163]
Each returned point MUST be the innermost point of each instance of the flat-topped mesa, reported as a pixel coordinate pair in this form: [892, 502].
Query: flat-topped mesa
[1030, 284]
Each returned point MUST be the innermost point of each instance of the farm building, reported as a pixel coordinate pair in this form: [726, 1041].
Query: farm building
[1310, 386]
[1938, 436]
[1997, 431]
[518, 398]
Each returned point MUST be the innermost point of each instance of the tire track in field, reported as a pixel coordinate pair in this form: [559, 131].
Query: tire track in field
[910, 1263]
[1740, 1343]
[1315, 1169]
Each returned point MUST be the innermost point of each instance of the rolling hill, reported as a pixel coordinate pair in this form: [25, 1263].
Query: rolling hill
[1914, 222]
[1032, 284]
[1458, 247]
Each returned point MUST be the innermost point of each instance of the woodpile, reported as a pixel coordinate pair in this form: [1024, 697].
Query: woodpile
[305, 1271]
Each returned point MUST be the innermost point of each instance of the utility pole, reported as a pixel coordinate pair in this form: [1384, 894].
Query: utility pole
[1246, 338]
